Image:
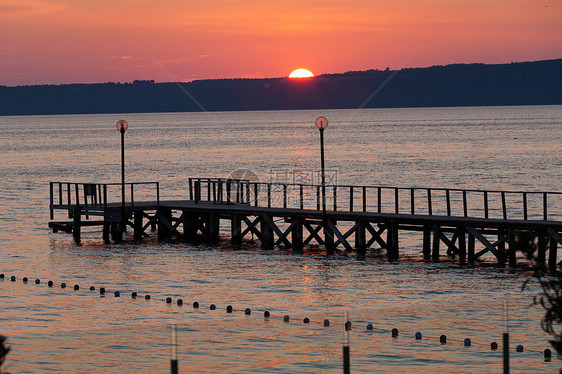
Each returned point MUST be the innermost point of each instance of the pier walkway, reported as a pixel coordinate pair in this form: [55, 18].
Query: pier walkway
[468, 224]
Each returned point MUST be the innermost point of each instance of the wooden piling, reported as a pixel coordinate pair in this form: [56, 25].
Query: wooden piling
[471, 245]
[77, 223]
[137, 226]
[236, 230]
[552, 265]
[164, 221]
[267, 239]
[297, 235]
[392, 241]
[360, 240]
[213, 226]
[436, 243]
[106, 231]
[426, 243]
[328, 237]
[462, 245]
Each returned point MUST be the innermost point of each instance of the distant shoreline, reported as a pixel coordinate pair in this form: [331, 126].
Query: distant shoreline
[457, 85]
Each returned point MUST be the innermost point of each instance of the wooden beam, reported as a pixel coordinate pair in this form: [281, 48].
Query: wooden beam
[313, 233]
[482, 240]
[338, 234]
[375, 235]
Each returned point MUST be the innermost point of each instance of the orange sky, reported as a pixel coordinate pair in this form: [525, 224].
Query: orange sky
[65, 41]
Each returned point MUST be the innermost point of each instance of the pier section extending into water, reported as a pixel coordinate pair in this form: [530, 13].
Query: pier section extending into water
[468, 224]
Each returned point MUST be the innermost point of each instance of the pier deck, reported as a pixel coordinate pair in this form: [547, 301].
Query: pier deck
[468, 223]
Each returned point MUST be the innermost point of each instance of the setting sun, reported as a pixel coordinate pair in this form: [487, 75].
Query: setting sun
[301, 73]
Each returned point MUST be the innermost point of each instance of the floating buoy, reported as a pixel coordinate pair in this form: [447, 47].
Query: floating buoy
[76, 287]
[212, 307]
[2, 276]
[13, 278]
[418, 335]
[102, 291]
[50, 283]
[247, 311]
[286, 318]
[467, 342]
[266, 314]
[92, 288]
[37, 281]
[179, 302]
[347, 325]
[229, 308]
[147, 297]
[326, 323]
[443, 339]
[63, 285]
[195, 304]
[24, 279]
[133, 295]
[519, 348]
[306, 320]
[494, 346]
[168, 300]
[117, 293]
[394, 333]
[547, 355]
[369, 326]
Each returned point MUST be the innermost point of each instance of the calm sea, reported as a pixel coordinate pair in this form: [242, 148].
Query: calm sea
[65, 331]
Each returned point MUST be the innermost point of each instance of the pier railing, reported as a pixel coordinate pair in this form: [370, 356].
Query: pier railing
[452, 202]
[99, 195]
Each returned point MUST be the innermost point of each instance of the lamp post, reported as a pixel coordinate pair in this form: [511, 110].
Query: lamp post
[321, 125]
[122, 126]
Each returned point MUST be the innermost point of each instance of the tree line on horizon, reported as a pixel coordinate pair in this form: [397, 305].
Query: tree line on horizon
[526, 83]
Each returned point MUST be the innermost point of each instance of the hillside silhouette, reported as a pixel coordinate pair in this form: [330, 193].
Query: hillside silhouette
[526, 83]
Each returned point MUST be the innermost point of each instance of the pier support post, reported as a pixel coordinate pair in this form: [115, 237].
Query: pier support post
[105, 232]
[436, 243]
[213, 225]
[360, 240]
[501, 248]
[266, 232]
[552, 265]
[236, 231]
[541, 250]
[164, 219]
[426, 243]
[137, 226]
[77, 223]
[189, 226]
[512, 249]
[116, 233]
[462, 245]
[328, 237]
[297, 235]
[471, 244]
[392, 241]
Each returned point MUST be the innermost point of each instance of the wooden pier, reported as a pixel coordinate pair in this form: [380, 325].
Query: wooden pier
[468, 224]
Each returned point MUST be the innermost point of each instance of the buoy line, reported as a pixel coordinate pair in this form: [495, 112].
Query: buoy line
[394, 332]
